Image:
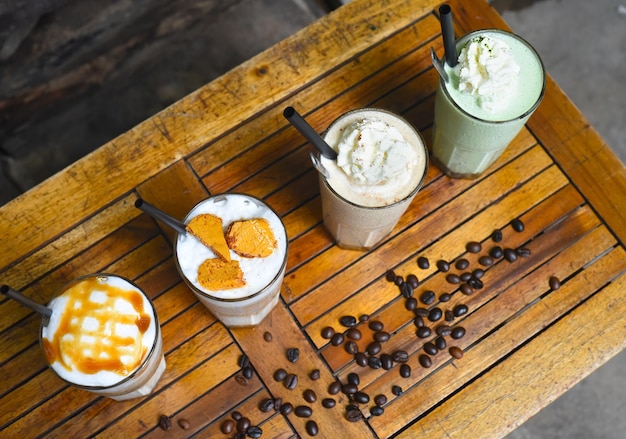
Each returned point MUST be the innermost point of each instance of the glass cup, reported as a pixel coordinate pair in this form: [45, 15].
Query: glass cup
[466, 140]
[104, 337]
[250, 304]
[361, 220]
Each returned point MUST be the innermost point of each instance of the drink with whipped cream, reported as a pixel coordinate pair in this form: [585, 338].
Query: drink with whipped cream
[238, 270]
[381, 164]
[496, 86]
[103, 336]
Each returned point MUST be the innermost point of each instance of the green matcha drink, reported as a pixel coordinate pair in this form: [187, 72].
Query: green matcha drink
[495, 87]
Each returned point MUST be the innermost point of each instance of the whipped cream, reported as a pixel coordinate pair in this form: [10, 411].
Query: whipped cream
[488, 71]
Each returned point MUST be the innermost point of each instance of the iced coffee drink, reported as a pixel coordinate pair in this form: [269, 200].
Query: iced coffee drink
[381, 164]
[103, 336]
[497, 84]
[233, 257]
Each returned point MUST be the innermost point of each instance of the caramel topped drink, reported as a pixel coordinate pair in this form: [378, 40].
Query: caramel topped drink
[104, 336]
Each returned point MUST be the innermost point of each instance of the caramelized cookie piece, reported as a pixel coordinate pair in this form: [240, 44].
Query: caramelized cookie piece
[217, 274]
[208, 229]
[251, 238]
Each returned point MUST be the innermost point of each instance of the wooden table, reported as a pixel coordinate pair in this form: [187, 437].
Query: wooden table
[525, 343]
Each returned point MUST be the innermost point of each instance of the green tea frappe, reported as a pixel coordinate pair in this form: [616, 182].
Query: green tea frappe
[497, 84]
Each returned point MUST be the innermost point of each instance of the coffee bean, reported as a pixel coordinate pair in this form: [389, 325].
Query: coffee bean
[523, 252]
[377, 411]
[380, 400]
[435, 314]
[478, 273]
[353, 378]
[243, 361]
[353, 415]
[430, 348]
[337, 339]
[445, 297]
[236, 415]
[291, 381]
[328, 332]
[456, 352]
[466, 289]
[328, 403]
[399, 280]
[485, 261]
[286, 408]
[382, 336]
[428, 297]
[475, 283]
[241, 380]
[496, 252]
[374, 348]
[517, 225]
[254, 432]
[448, 315]
[351, 347]
[184, 424]
[247, 372]
[465, 276]
[364, 318]
[457, 332]
[376, 325]
[243, 424]
[280, 374]
[423, 332]
[496, 235]
[361, 359]
[361, 397]
[510, 255]
[400, 356]
[165, 423]
[386, 361]
[443, 330]
[405, 370]
[410, 303]
[443, 266]
[423, 263]
[473, 247]
[374, 363]
[396, 390]
[390, 276]
[440, 343]
[277, 403]
[406, 290]
[555, 283]
[303, 411]
[266, 405]
[460, 309]
[239, 435]
[267, 336]
[461, 264]
[315, 374]
[453, 279]
[347, 321]
[227, 426]
[334, 387]
[309, 395]
[349, 389]
[420, 312]
[425, 360]
[311, 428]
[412, 280]
[353, 334]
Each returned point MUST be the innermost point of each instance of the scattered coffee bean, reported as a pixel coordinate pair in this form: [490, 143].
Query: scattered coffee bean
[336, 339]
[241, 380]
[443, 266]
[435, 314]
[473, 247]
[510, 255]
[396, 390]
[353, 415]
[465, 276]
[328, 332]
[352, 407]
[315, 374]
[410, 303]
[380, 400]
[382, 336]
[247, 372]
[457, 332]
[280, 374]
[400, 356]
[423, 263]
[374, 363]
[386, 361]
[418, 321]
[266, 405]
[428, 297]
[496, 235]
[406, 290]
[554, 283]
[478, 273]
[423, 332]
[420, 312]
[445, 297]
[425, 360]
[430, 348]
[286, 408]
[456, 352]
[475, 283]
[328, 403]
[254, 432]
[277, 403]
[496, 252]
[460, 309]
[311, 428]
[227, 426]
[443, 330]
[377, 410]
[374, 348]
[466, 289]
[517, 225]
[244, 361]
[348, 321]
[303, 411]
[184, 424]
[523, 252]
[453, 279]
[390, 276]
[376, 325]
[236, 415]
[485, 261]
[405, 370]
[291, 381]
[351, 347]
[353, 378]
[448, 315]
[412, 280]
[349, 389]
[165, 423]
[440, 342]
[461, 264]
[309, 395]
[361, 397]
[364, 318]
[361, 359]
[243, 424]
[353, 334]
[334, 387]
[267, 336]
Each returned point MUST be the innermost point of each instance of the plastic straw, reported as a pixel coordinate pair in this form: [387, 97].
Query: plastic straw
[447, 31]
[309, 133]
[161, 216]
[19, 297]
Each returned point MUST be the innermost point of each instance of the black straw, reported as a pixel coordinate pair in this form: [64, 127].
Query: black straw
[309, 133]
[447, 31]
[160, 215]
[15, 295]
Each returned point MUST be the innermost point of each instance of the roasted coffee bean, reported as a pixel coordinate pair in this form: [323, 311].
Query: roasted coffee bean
[390, 276]
[361, 359]
[315, 374]
[405, 370]
[336, 339]
[374, 348]
[423, 262]
[554, 282]
[423, 332]
[227, 426]
[420, 312]
[435, 314]
[399, 280]
[443, 330]
[241, 380]
[277, 403]
[267, 336]
[496, 252]
[443, 266]
[456, 352]
[377, 411]
[453, 279]
[334, 387]
[280, 374]
[425, 360]
[243, 424]
[353, 334]
[247, 372]
[291, 381]
[376, 325]
[418, 321]
[309, 395]
[364, 318]
[382, 336]
[351, 347]
[445, 297]
[460, 309]
[244, 361]
[461, 264]
[473, 247]
[510, 255]
[485, 261]
[496, 235]
[349, 389]
[286, 408]
[410, 303]
[412, 280]
[361, 397]
[400, 356]
[430, 348]
[353, 378]
[406, 290]
[239, 435]
[380, 400]
[466, 289]
[523, 252]
[311, 428]
[465, 276]
[236, 415]
[254, 432]
[428, 297]
[348, 321]
[374, 363]
[396, 390]
[165, 423]
[352, 407]
[478, 273]
[517, 225]
[440, 343]
[475, 283]
[266, 405]
[386, 361]
[353, 415]
[448, 315]
[457, 332]
[184, 424]
[303, 411]
[328, 403]
[328, 332]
